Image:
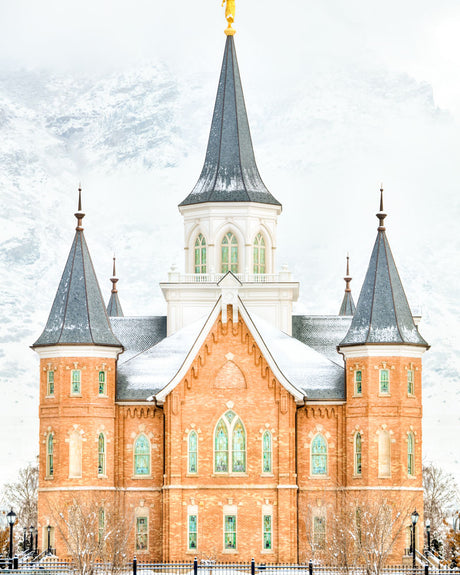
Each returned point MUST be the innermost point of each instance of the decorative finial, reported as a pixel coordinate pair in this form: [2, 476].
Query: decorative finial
[381, 214]
[79, 214]
[348, 278]
[229, 15]
[114, 278]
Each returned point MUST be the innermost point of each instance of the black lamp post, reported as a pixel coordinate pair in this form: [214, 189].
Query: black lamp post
[24, 539]
[11, 518]
[49, 539]
[36, 540]
[31, 540]
[428, 534]
[414, 518]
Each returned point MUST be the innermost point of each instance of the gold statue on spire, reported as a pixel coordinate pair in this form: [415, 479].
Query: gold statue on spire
[229, 15]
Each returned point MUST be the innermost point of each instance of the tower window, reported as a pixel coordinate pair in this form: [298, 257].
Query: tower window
[410, 454]
[358, 382]
[49, 456]
[229, 253]
[319, 455]
[229, 445]
[410, 382]
[102, 383]
[267, 452]
[384, 381]
[101, 521]
[200, 255]
[50, 383]
[230, 532]
[193, 452]
[259, 254]
[319, 531]
[192, 532]
[142, 456]
[101, 454]
[76, 382]
[267, 535]
[142, 533]
[358, 452]
[384, 453]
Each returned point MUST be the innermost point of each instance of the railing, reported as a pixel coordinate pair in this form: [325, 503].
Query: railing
[176, 277]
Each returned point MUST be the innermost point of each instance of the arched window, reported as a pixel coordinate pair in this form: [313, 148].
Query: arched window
[267, 452]
[101, 454]
[358, 454]
[229, 253]
[49, 454]
[384, 381]
[384, 453]
[200, 254]
[193, 452]
[319, 455]
[410, 454]
[230, 444]
[358, 382]
[259, 254]
[101, 521]
[75, 453]
[142, 456]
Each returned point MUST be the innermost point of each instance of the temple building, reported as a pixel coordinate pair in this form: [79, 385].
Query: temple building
[230, 428]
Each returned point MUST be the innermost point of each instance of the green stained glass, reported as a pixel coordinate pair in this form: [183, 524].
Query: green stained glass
[229, 253]
[221, 448]
[384, 381]
[51, 383]
[410, 454]
[358, 454]
[410, 382]
[101, 454]
[192, 452]
[259, 255]
[358, 381]
[267, 452]
[142, 456]
[267, 531]
[192, 531]
[50, 462]
[230, 532]
[200, 255]
[102, 383]
[76, 381]
[101, 524]
[319, 455]
[230, 416]
[239, 449]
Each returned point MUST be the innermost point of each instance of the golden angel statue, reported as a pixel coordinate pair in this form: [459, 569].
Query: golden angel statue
[229, 15]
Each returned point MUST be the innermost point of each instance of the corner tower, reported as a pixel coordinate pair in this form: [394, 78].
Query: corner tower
[78, 353]
[383, 359]
[230, 220]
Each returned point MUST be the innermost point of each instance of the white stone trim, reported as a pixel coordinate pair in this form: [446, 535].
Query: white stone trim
[397, 350]
[98, 488]
[78, 351]
[377, 488]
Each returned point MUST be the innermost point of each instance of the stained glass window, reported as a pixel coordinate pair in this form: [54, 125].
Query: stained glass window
[76, 381]
[101, 454]
[192, 531]
[193, 452]
[358, 382]
[50, 456]
[410, 381]
[267, 452]
[102, 378]
[267, 544]
[239, 448]
[384, 381]
[221, 447]
[410, 454]
[319, 531]
[142, 456]
[142, 533]
[259, 254]
[230, 416]
[200, 255]
[229, 254]
[50, 383]
[230, 532]
[319, 455]
[358, 454]
[101, 521]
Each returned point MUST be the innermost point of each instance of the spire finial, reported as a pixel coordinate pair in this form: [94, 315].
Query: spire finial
[114, 278]
[79, 214]
[229, 15]
[381, 214]
[348, 278]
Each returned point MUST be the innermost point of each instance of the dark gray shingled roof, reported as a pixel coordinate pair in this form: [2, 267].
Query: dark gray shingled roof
[138, 334]
[382, 314]
[114, 306]
[348, 305]
[230, 172]
[322, 333]
[78, 314]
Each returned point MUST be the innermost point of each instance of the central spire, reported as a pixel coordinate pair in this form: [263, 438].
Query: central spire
[230, 171]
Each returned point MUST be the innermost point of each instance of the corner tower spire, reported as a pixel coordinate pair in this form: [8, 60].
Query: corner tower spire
[230, 172]
[382, 313]
[348, 305]
[78, 314]
[114, 307]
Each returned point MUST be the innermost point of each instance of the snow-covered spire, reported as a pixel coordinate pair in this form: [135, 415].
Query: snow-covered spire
[348, 305]
[114, 307]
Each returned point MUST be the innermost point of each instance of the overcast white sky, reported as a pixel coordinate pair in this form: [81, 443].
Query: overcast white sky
[340, 96]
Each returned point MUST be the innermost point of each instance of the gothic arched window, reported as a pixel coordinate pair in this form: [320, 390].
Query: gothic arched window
[101, 454]
[193, 452]
[142, 456]
[229, 249]
[259, 254]
[49, 454]
[229, 444]
[267, 452]
[358, 453]
[200, 254]
[319, 455]
[410, 454]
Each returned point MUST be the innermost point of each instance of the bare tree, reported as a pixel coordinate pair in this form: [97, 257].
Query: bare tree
[22, 495]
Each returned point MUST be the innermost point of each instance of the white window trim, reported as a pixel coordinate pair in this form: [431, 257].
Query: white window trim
[48, 394]
[380, 475]
[239, 243]
[267, 473]
[230, 510]
[265, 247]
[149, 474]
[267, 510]
[384, 393]
[411, 435]
[72, 393]
[192, 473]
[47, 470]
[319, 475]
[104, 470]
[192, 510]
[356, 392]
[142, 513]
[355, 461]
[230, 428]
[104, 371]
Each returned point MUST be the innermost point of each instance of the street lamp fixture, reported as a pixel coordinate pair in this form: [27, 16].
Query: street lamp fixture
[31, 540]
[11, 519]
[36, 540]
[428, 534]
[414, 519]
[49, 539]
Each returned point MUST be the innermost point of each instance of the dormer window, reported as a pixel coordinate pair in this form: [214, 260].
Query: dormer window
[200, 254]
[259, 254]
[229, 254]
